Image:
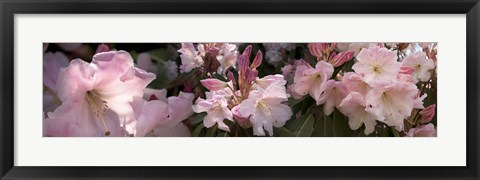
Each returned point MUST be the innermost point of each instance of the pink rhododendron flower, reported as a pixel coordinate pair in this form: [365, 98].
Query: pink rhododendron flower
[391, 102]
[292, 93]
[309, 80]
[76, 119]
[287, 69]
[98, 93]
[270, 79]
[216, 106]
[265, 108]
[421, 64]
[227, 57]
[163, 118]
[356, 47]
[354, 82]
[179, 109]
[242, 120]
[190, 57]
[353, 106]
[334, 93]
[427, 114]
[52, 63]
[377, 63]
[148, 114]
[418, 101]
[423, 131]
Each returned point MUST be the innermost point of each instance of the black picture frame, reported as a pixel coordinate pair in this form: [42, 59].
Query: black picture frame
[9, 8]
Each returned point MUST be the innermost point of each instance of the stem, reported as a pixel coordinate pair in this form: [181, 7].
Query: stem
[157, 59]
[53, 94]
[246, 132]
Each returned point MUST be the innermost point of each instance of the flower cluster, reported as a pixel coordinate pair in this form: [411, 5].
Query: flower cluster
[381, 88]
[248, 101]
[211, 89]
[105, 98]
[216, 57]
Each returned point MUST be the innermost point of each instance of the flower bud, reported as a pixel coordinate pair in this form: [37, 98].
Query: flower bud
[247, 51]
[232, 79]
[320, 49]
[243, 64]
[341, 58]
[250, 76]
[213, 84]
[102, 48]
[406, 70]
[317, 49]
[258, 60]
[427, 114]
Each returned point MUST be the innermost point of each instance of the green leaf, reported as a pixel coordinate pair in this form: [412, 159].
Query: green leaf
[211, 132]
[395, 132]
[220, 77]
[292, 101]
[282, 132]
[303, 126]
[198, 131]
[340, 125]
[159, 53]
[223, 135]
[197, 118]
[323, 127]
[382, 131]
[359, 132]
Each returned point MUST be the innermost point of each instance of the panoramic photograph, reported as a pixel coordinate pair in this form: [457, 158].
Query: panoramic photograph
[196, 89]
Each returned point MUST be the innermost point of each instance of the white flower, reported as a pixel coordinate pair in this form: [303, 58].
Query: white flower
[421, 64]
[335, 92]
[265, 108]
[216, 106]
[190, 58]
[353, 106]
[309, 80]
[227, 57]
[391, 101]
[377, 63]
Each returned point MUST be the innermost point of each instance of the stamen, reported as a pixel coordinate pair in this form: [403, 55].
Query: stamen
[99, 107]
[314, 76]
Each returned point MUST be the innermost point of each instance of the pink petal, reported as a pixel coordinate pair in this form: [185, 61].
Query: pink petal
[52, 63]
[75, 80]
[180, 107]
[178, 130]
[75, 119]
[151, 114]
